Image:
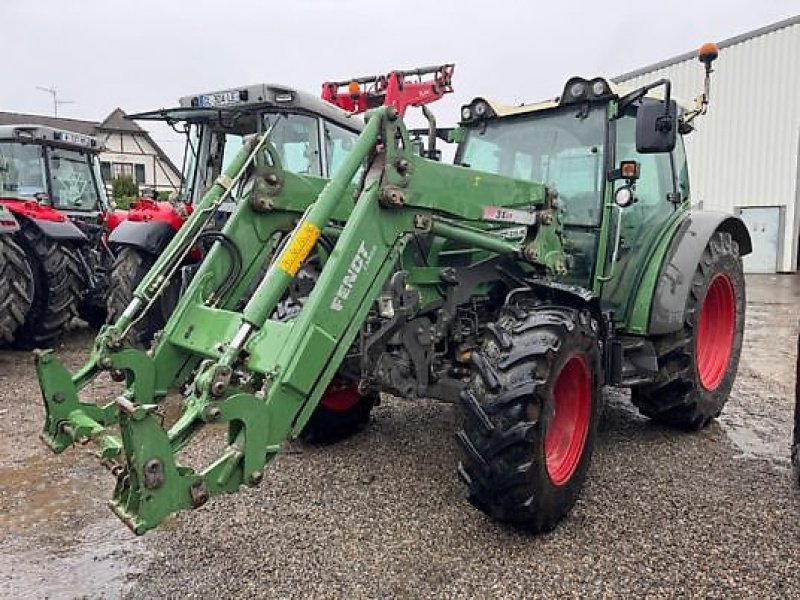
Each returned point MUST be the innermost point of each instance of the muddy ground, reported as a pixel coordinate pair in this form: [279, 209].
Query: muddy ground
[382, 515]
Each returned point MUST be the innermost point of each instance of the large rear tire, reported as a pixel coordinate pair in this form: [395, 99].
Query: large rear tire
[57, 287]
[697, 366]
[532, 410]
[16, 281]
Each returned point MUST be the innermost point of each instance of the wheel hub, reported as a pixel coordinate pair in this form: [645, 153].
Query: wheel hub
[569, 426]
[716, 328]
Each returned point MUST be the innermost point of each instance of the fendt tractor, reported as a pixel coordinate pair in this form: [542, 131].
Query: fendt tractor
[311, 135]
[559, 254]
[16, 279]
[50, 180]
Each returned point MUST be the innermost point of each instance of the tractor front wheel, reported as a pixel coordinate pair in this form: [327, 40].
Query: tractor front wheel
[532, 410]
[697, 365]
[129, 268]
[341, 412]
[16, 280]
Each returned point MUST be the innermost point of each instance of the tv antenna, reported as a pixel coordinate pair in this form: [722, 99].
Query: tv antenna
[56, 102]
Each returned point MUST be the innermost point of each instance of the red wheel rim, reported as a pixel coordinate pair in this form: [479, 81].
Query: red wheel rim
[716, 327]
[569, 426]
[338, 398]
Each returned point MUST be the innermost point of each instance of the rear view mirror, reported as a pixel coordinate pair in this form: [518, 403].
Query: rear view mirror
[656, 126]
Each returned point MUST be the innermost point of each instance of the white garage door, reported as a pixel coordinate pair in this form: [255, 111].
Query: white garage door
[764, 225]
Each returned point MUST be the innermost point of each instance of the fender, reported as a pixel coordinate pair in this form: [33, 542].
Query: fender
[51, 222]
[150, 236]
[680, 261]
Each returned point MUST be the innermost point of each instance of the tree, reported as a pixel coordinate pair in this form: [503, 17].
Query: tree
[124, 186]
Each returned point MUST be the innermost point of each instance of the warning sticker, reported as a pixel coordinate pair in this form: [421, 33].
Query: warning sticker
[299, 248]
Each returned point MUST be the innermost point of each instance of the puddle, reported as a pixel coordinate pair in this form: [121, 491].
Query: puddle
[58, 537]
[101, 563]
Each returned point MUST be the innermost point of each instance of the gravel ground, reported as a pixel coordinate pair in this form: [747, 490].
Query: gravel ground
[711, 514]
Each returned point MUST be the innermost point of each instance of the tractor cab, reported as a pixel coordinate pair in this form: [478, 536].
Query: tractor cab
[51, 171]
[312, 137]
[618, 172]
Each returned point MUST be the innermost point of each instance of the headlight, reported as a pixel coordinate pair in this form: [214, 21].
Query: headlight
[578, 90]
[466, 113]
[481, 108]
[598, 88]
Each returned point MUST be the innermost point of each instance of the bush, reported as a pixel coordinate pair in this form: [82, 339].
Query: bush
[124, 186]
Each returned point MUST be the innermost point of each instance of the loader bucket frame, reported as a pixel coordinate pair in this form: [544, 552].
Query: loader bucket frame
[263, 377]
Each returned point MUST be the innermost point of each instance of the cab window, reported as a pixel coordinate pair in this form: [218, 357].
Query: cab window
[296, 138]
[338, 145]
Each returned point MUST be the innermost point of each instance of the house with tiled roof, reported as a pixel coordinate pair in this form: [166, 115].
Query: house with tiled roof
[128, 149]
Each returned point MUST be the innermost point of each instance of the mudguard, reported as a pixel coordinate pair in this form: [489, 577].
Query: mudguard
[152, 236]
[58, 230]
[680, 261]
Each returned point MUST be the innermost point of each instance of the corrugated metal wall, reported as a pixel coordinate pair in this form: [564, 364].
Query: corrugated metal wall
[744, 152]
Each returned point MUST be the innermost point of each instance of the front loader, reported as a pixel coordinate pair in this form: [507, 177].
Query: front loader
[559, 254]
[312, 135]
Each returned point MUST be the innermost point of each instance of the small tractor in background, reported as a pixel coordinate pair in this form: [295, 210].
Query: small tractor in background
[16, 279]
[558, 255]
[50, 181]
[311, 135]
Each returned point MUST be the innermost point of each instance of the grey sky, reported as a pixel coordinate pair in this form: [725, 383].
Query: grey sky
[144, 54]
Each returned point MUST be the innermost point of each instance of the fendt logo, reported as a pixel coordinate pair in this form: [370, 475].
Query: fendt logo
[360, 262]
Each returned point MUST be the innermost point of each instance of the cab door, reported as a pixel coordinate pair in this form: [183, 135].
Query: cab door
[642, 223]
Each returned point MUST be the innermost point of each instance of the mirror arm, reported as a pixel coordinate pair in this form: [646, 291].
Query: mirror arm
[635, 95]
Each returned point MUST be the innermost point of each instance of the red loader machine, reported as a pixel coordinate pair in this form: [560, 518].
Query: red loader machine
[51, 184]
[559, 254]
[312, 135]
[16, 279]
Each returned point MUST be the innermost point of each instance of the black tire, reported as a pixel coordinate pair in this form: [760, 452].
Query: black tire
[57, 287]
[93, 314]
[129, 268]
[691, 388]
[329, 424]
[16, 281]
[510, 409]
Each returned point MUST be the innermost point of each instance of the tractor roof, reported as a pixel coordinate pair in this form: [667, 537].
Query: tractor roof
[51, 136]
[251, 98]
[611, 90]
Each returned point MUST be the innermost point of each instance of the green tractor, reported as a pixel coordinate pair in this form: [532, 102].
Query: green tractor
[558, 255]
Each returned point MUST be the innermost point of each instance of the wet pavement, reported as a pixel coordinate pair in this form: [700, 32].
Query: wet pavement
[663, 513]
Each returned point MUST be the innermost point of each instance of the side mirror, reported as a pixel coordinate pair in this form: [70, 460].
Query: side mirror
[656, 126]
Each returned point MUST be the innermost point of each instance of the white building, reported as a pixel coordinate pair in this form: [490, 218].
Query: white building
[128, 149]
[743, 156]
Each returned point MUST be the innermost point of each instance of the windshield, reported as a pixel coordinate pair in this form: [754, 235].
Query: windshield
[72, 180]
[562, 148]
[21, 170]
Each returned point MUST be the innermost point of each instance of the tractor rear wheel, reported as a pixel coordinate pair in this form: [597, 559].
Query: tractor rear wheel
[16, 280]
[341, 412]
[532, 410]
[129, 268]
[697, 365]
[57, 287]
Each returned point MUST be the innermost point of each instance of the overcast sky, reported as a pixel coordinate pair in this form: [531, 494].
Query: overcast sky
[144, 54]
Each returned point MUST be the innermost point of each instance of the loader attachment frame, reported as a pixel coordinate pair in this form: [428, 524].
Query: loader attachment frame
[238, 366]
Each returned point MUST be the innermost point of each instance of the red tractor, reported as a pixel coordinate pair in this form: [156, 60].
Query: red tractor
[311, 135]
[50, 181]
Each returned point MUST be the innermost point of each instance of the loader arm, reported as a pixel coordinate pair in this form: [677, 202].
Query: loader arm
[262, 377]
